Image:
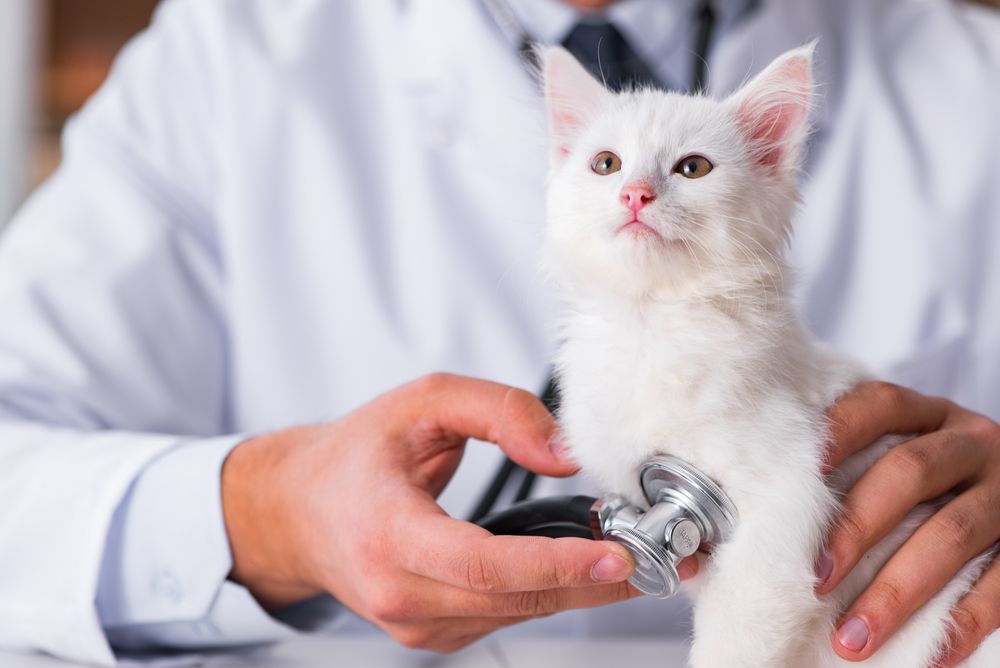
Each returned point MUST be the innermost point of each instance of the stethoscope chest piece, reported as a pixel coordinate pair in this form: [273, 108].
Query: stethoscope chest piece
[687, 512]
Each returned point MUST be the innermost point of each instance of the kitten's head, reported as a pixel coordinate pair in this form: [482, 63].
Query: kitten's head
[651, 190]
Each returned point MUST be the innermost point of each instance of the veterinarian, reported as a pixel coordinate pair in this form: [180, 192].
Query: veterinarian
[274, 216]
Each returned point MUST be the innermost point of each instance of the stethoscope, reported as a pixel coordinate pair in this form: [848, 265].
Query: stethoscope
[687, 511]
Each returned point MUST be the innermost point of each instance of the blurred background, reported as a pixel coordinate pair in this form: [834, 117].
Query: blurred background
[53, 55]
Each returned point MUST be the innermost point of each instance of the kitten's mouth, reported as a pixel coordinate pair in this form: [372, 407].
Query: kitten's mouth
[638, 229]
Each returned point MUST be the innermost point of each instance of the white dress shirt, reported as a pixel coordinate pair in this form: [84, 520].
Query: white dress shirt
[273, 212]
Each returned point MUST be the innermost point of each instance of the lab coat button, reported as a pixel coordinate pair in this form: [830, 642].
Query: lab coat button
[166, 585]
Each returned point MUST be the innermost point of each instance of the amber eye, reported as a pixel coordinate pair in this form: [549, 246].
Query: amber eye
[605, 163]
[693, 166]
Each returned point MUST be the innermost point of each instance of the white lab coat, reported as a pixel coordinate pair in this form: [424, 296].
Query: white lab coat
[274, 211]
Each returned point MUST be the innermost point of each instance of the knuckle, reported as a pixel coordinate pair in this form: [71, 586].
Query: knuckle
[949, 439]
[563, 577]
[482, 574]
[889, 596]
[552, 573]
[853, 527]
[413, 637]
[954, 528]
[388, 607]
[984, 430]
[521, 400]
[527, 603]
[618, 591]
[433, 383]
[971, 624]
[534, 604]
[522, 406]
[890, 395]
[841, 428]
[915, 460]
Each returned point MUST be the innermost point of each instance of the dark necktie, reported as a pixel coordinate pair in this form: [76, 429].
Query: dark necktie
[606, 53]
[603, 50]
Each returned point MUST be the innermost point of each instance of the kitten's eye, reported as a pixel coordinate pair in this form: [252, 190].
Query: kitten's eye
[605, 163]
[693, 166]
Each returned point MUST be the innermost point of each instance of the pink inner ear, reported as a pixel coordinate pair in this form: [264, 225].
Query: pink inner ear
[572, 96]
[564, 120]
[769, 129]
[774, 116]
[565, 124]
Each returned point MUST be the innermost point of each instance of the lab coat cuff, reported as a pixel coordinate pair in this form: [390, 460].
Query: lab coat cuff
[167, 551]
[163, 578]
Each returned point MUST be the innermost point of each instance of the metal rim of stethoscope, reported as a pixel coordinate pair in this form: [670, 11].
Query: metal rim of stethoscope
[685, 511]
[665, 477]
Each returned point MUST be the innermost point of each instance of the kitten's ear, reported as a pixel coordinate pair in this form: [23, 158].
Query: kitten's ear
[773, 109]
[572, 96]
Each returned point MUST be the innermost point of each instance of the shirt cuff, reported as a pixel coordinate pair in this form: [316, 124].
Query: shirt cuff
[163, 573]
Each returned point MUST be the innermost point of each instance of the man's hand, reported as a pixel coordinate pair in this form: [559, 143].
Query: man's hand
[956, 451]
[348, 508]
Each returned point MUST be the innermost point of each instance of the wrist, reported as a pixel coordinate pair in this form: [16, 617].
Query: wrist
[259, 506]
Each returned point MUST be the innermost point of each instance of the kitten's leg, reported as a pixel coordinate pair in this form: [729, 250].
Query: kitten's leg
[757, 607]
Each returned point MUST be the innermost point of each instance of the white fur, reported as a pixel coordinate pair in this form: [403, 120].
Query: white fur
[687, 344]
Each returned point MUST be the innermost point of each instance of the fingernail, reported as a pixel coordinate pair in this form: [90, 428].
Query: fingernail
[611, 568]
[687, 569]
[559, 450]
[823, 567]
[853, 634]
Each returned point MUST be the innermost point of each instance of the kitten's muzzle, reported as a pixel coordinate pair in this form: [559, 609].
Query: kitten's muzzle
[687, 512]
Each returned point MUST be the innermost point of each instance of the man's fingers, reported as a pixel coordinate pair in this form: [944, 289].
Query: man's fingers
[922, 469]
[875, 409]
[469, 557]
[955, 534]
[543, 602]
[514, 419]
[414, 598]
[975, 617]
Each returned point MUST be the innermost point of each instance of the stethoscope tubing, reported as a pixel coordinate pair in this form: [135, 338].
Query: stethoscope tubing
[553, 517]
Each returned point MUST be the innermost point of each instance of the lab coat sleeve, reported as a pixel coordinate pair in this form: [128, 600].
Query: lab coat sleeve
[163, 574]
[113, 339]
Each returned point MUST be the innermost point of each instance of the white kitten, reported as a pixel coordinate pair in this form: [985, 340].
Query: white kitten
[667, 217]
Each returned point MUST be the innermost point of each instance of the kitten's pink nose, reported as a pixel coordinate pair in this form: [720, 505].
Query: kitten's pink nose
[637, 195]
